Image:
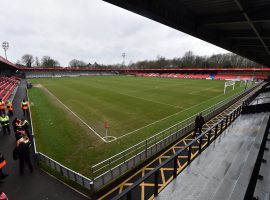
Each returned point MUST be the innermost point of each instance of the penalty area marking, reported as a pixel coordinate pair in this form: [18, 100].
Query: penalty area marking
[79, 117]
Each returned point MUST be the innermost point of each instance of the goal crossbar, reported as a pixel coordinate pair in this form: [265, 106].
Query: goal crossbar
[229, 83]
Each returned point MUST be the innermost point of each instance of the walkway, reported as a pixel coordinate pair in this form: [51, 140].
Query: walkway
[35, 186]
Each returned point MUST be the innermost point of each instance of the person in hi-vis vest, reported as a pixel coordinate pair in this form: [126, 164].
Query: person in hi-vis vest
[9, 107]
[24, 107]
[2, 107]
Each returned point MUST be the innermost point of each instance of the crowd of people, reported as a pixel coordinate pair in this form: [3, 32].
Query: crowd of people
[22, 137]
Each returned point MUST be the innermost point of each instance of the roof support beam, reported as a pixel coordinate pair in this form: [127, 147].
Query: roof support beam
[239, 4]
[262, 15]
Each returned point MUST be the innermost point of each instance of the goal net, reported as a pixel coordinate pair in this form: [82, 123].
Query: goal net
[246, 83]
[228, 84]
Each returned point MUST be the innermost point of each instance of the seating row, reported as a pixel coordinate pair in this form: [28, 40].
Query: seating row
[7, 85]
[202, 76]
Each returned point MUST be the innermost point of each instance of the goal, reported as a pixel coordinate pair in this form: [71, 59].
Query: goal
[227, 84]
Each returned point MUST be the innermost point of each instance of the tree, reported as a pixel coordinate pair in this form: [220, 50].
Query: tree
[188, 59]
[77, 63]
[37, 63]
[48, 62]
[27, 60]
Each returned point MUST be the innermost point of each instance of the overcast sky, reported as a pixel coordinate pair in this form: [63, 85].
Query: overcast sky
[89, 30]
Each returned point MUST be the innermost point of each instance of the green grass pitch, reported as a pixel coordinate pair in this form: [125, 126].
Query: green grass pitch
[135, 108]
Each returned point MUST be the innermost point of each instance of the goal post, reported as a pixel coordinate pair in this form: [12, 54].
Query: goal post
[243, 83]
[227, 84]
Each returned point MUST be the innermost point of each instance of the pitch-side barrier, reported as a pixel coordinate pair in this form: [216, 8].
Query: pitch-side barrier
[112, 168]
[51, 163]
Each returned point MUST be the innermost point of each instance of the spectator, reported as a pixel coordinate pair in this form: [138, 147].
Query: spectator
[19, 134]
[22, 152]
[9, 108]
[24, 107]
[3, 162]
[15, 122]
[199, 122]
[2, 107]
[4, 120]
[25, 126]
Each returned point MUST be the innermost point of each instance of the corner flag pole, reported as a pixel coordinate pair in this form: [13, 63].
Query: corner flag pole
[106, 126]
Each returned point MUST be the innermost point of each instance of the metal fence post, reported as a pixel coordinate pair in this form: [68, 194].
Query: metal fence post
[189, 153]
[216, 129]
[156, 183]
[200, 144]
[221, 128]
[209, 137]
[175, 166]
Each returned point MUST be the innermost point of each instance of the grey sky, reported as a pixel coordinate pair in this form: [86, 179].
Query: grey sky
[89, 30]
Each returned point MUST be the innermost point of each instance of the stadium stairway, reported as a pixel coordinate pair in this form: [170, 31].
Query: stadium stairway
[146, 188]
[30, 186]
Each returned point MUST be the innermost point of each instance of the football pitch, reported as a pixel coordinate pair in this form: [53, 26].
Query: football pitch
[69, 113]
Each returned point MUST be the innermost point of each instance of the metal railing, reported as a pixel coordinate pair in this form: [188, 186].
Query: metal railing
[64, 171]
[209, 135]
[68, 173]
[120, 163]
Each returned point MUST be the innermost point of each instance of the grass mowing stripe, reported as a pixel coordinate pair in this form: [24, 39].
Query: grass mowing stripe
[82, 121]
[151, 100]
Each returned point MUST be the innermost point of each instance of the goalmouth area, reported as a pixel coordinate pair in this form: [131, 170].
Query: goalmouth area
[69, 114]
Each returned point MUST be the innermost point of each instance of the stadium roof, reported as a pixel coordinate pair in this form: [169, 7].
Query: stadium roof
[240, 26]
[5, 64]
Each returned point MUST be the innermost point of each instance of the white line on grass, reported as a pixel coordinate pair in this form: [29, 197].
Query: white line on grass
[151, 100]
[167, 117]
[77, 116]
[202, 90]
[154, 87]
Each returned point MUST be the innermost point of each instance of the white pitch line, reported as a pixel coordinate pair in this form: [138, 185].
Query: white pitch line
[202, 90]
[155, 87]
[77, 116]
[166, 117]
[151, 100]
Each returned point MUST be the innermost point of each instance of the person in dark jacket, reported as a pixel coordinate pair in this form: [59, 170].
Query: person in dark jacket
[25, 126]
[22, 152]
[14, 124]
[199, 122]
[3, 163]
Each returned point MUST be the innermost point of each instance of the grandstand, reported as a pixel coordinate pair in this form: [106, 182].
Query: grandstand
[205, 73]
[193, 73]
[116, 169]
[228, 160]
